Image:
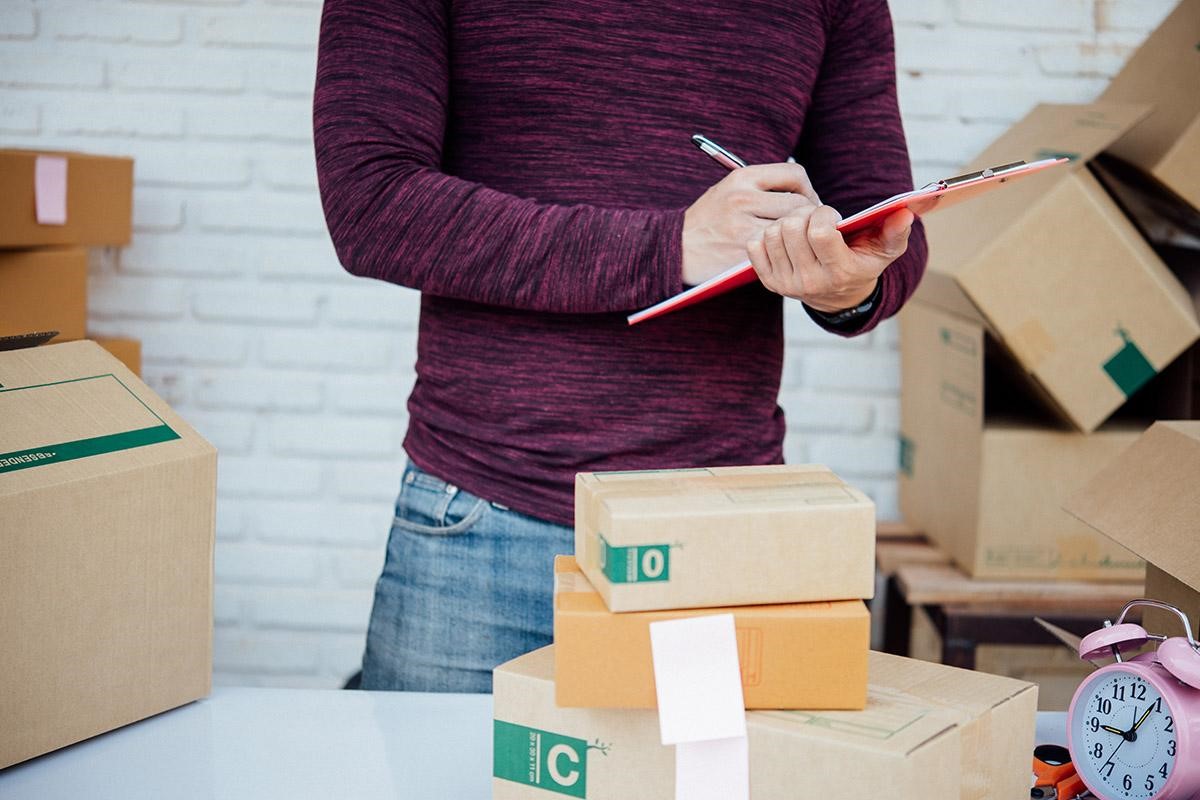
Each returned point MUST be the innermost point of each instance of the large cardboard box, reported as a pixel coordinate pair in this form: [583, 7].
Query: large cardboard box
[1148, 499]
[1165, 71]
[1062, 278]
[99, 200]
[44, 290]
[927, 731]
[726, 536]
[798, 655]
[106, 537]
[988, 488]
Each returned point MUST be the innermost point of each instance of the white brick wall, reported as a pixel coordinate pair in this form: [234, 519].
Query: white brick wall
[298, 372]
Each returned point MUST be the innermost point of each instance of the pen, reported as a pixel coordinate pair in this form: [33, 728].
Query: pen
[717, 153]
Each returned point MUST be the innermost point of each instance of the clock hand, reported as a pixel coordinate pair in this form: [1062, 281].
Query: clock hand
[1144, 717]
[1111, 729]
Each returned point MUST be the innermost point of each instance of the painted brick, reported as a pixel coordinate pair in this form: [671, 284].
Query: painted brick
[341, 654]
[885, 496]
[1142, 16]
[309, 260]
[84, 24]
[199, 166]
[320, 522]
[18, 23]
[274, 120]
[368, 481]
[795, 449]
[284, 75]
[33, 68]
[210, 75]
[373, 304]
[229, 605]
[887, 415]
[800, 329]
[231, 518]
[173, 343]
[231, 433]
[110, 117]
[811, 411]
[137, 298]
[258, 391]
[156, 211]
[262, 213]
[257, 476]
[1083, 59]
[359, 568]
[266, 652]
[171, 383]
[320, 350]
[386, 396]
[258, 564]
[270, 305]
[920, 12]
[362, 438]
[189, 255]
[1060, 15]
[259, 31]
[20, 118]
[856, 456]
[852, 371]
[309, 609]
[288, 171]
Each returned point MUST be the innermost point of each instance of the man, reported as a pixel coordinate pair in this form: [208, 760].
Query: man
[527, 166]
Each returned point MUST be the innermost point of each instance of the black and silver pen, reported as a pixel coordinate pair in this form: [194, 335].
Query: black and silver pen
[717, 153]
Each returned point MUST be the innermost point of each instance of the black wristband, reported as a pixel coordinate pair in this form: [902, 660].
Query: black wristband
[850, 316]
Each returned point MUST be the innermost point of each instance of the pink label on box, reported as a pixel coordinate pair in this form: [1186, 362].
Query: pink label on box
[50, 190]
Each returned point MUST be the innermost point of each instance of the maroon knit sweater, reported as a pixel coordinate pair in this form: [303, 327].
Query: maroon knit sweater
[526, 164]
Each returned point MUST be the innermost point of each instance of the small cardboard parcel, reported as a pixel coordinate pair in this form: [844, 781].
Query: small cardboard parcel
[927, 731]
[106, 538]
[725, 536]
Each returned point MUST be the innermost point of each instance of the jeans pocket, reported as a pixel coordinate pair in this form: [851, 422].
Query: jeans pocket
[430, 506]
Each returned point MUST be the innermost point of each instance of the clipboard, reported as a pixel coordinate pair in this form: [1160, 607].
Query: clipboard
[928, 198]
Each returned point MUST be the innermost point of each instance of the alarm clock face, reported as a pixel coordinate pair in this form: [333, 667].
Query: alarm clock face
[1123, 736]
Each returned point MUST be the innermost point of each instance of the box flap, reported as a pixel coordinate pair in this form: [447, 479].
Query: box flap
[73, 411]
[1147, 499]
[1165, 71]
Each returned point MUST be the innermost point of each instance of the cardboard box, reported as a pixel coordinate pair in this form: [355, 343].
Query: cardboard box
[987, 487]
[1164, 72]
[106, 539]
[726, 536]
[44, 290]
[1148, 499]
[127, 351]
[927, 731]
[1063, 279]
[800, 655]
[99, 200]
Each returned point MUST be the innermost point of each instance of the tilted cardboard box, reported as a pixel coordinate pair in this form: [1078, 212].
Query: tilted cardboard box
[1063, 279]
[989, 491]
[44, 290]
[927, 731]
[99, 200]
[1148, 499]
[106, 537]
[726, 536]
[1165, 71]
[797, 655]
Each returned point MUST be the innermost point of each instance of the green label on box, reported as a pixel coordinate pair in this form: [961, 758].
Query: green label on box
[906, 455]
[539, 758]
[83, 448]
[639, 564]
[1129, 368]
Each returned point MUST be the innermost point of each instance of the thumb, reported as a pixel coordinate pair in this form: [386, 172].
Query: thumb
[893, 235]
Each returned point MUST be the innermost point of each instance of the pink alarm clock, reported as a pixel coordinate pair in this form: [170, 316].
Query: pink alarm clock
[1133, 727]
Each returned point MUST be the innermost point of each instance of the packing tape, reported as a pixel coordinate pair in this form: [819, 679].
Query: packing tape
[701, 709]
[50, 190]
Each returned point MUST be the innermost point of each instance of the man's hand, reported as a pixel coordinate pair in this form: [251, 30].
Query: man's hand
[738, 208]
[804, 256]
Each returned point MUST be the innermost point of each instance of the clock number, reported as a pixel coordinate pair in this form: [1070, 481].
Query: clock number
[1158, 706]
[1171, 748]
[1162, 771]
[1149, 784]
[1139, 692]
[1098, 751]
[1105, 705]
[1170, 725]
[1094, 722]
[1127, 782]
[1119, 693]
[1109, 767]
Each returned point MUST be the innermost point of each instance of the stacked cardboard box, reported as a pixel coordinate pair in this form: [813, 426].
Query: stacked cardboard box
[52, 206]
[107, 505]
[788, 552]
[1048, 331]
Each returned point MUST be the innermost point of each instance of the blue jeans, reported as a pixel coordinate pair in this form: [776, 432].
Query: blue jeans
[466, 586]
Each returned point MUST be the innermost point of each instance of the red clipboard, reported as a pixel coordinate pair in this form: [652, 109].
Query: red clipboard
[930, 197]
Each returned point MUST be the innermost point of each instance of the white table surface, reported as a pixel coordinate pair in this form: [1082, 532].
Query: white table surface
[293, 744]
